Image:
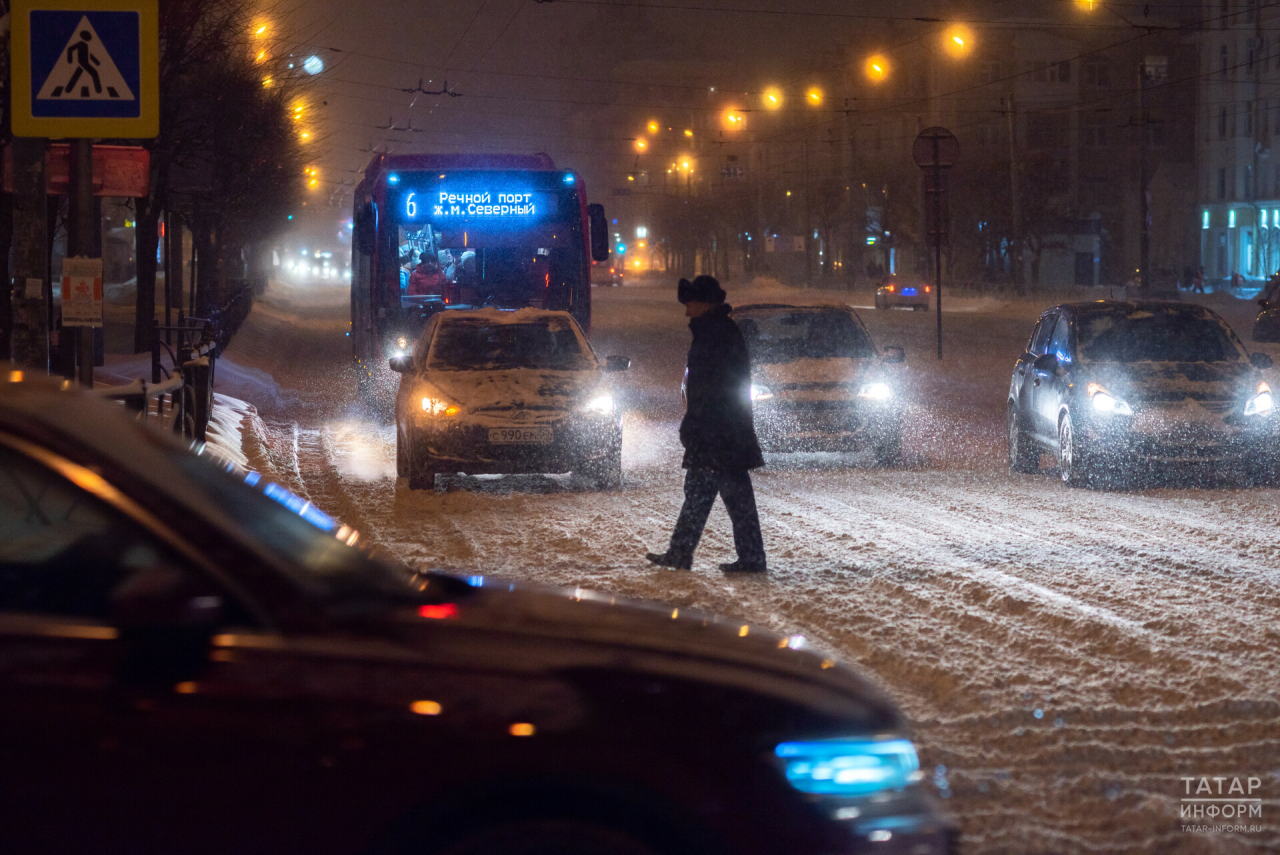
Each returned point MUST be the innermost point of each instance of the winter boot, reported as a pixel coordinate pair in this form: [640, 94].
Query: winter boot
[741, 566]
[670, 559]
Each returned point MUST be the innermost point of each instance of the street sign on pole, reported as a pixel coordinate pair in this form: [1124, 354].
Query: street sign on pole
[84, 69]
[935, 151]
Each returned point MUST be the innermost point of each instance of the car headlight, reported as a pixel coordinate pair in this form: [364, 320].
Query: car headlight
[402, 342]
[601, 405]
[1261, 403]
[876, 391]
[849, 767]
[437, 407]
[760, 393]
[1104, 402]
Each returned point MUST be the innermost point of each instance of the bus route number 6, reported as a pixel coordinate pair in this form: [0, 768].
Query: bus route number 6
[410, 206]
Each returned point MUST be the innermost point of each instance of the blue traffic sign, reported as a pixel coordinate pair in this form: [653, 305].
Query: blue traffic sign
[85, 68]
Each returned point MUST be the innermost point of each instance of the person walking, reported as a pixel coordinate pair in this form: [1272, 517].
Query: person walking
[718, 433]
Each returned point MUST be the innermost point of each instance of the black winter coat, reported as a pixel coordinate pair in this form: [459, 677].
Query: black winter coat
[718, 431]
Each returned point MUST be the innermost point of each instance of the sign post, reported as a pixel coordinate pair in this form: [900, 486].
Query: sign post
[84, 70]
[936, 151]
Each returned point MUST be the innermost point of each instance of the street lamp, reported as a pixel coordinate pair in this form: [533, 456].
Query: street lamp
[772, 98]
[813, 97]
[641, 144]
[876, 68]
[958, 41]
[653, 126]
[734, 120]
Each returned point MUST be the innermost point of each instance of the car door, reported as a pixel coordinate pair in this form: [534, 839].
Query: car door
[74, 677]
[1024, 374]
[1050, 382]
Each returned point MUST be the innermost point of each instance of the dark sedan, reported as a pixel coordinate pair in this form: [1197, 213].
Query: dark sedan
[195, 660]
[1110, 387]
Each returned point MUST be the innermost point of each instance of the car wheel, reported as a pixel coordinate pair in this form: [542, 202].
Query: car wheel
[1073, 463]
[605, 473]
[888, 451]
[879, 302]
[1023, 456]
[422, 474]
[559, 837]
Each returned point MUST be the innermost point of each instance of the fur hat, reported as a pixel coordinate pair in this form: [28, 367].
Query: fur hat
[703, 289]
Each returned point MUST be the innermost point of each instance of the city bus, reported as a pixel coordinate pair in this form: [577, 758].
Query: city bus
[440, 231]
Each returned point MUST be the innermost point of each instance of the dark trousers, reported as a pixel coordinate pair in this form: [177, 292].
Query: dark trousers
[701, 486]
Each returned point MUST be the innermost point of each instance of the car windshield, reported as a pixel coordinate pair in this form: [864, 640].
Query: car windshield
[484, 344]
[1144, 335]
[788, 336]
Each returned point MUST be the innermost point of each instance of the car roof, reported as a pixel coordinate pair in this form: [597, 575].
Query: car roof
[768, 307]
[505, 316]
[1130, 306]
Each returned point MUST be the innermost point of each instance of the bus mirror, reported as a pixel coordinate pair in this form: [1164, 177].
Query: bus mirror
[599, 233]
[366, 228]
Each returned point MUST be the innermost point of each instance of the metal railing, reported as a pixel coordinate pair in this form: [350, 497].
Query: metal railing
[183, 390]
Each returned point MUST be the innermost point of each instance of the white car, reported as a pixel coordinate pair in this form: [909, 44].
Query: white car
[498, 391]
[819, 383]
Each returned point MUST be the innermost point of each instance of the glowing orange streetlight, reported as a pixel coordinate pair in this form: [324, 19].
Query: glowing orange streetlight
[813, 97]
[734, 120]
[653, 126]
[772, 98]
[876, 68]
[641, 144]
[958, 41]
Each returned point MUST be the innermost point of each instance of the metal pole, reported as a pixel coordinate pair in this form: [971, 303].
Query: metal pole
[937, 239]
[1144, 242]
[80, 241]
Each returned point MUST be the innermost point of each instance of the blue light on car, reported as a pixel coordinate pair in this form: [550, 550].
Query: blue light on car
[393, 179]
[300, 506]
[252, 478]
[568, 178]
[849, 767]
[475, 581]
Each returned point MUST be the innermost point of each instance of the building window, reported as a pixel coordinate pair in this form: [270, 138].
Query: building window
[991, 71]
[1231, 218]
[1097, 72]
[1222, 123]
[1222, 54]
[1047, 130]
[1204, 219]
[1093, 129]
[1247, 109]
[1222, 183]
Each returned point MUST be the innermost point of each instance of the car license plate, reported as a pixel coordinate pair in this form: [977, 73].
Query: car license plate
[521, 436]
[908, 292]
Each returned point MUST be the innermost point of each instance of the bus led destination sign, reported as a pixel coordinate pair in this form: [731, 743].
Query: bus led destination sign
[444, 205]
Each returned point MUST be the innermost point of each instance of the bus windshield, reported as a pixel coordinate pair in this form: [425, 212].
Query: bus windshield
[476, 274]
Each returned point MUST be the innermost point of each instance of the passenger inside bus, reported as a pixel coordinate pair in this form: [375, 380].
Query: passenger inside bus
[426, 279]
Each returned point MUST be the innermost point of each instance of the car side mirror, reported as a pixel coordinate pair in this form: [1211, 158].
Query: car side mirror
[1261, 360]
[1047, 362]
[617, 363]
[893, 354]
[401, 364]
[599, 232]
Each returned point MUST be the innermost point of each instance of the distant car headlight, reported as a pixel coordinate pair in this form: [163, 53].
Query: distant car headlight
[600, 405]
[437, 407]
[402, 342]
[760, 393]
[1261, 403]
[1104, 402]
[849, 767]
[876, 391]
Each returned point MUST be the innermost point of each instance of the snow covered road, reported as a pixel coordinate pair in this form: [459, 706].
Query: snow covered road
[1065, 656]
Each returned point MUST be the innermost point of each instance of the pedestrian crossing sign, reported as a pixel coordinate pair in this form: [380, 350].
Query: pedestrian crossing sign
[85, 69]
